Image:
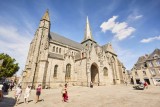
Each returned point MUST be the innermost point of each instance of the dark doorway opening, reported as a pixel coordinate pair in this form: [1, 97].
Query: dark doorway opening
[137, 81]
[94, 74]
[147, 80]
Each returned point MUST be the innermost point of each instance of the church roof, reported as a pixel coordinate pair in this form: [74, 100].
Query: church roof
[156, 52]
[61, 39]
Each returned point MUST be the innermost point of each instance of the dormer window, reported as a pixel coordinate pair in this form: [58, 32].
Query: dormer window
[150, 63]
[153, 72]
[158, 62]
[155, 56]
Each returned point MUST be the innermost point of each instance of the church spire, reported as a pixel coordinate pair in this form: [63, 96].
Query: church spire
[88, 33]
[46, 16]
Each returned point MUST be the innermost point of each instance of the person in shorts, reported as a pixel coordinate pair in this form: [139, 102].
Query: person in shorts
[38, 92]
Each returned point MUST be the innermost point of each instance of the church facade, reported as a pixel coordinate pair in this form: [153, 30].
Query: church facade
[54, 60]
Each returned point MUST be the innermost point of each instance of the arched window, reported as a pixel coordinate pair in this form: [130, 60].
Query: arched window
[59, 50]
[53, 48]
[105, 71]
[55, 71]
[68, 71]
[144, 72]
[86, 45]
[136, 73]
[82, 55]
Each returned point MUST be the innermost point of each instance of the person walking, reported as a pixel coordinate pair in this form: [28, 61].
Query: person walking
[11, 85]
[65, 93]
[38, 92]
[18, 93]
[26, 94]
[145, 85]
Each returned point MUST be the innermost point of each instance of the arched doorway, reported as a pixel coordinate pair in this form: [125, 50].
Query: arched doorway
[94, 74]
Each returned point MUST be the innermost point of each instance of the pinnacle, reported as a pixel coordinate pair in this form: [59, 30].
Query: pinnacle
[46, 15]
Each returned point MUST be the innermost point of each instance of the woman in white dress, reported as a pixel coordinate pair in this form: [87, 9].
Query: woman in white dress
[18, 93]
[26, 94]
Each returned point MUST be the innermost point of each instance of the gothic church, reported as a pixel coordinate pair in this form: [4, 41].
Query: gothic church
[54, 60]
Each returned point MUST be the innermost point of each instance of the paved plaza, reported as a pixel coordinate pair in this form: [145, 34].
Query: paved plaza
[102, 96]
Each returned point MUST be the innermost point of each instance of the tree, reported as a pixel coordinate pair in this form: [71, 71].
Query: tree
[8, 67]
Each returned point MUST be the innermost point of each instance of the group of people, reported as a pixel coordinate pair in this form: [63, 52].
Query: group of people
[8, 85]
[5, 87]
[18, 93]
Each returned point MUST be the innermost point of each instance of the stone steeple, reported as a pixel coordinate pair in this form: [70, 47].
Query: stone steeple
[46, 16]
[88, 33]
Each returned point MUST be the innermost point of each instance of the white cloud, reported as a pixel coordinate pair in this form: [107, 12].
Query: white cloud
[150, 39]
[134, 17]
[138, 16]
[109, 24]
[15, 43]
[121, 30]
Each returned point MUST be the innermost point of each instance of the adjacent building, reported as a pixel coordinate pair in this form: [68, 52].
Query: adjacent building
[147, 69]
[54, 60]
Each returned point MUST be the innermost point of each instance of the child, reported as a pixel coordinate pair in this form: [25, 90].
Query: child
[65, 93]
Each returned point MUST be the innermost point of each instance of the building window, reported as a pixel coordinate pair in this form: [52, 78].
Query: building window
[153, 72]
[59, 50]
[150, 63]
[158, 62]
[105, 71]
[144, 72]
[53, 48]
[136, 73]
[55, 71]
[68, 71]
[82, 55]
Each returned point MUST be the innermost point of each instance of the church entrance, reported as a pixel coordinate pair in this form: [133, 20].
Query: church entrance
[94, 74]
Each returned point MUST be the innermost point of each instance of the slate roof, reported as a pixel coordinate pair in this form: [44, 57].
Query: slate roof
[54, 55]
[140, 62]
[61, 39]
[155, 52]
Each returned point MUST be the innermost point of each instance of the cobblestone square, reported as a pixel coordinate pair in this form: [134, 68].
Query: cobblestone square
[99, 96]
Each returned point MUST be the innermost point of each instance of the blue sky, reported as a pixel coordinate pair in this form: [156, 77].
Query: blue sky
[132, 26]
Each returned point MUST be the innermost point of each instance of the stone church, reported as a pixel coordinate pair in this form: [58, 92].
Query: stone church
[54, 60]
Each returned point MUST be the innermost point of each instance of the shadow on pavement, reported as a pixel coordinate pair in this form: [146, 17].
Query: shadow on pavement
[41, 100]
[30, 101]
